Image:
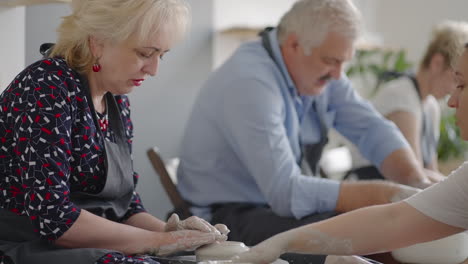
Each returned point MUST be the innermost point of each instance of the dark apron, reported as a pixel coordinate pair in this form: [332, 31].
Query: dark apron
[311, 153]
[428, 140]
[23, 246]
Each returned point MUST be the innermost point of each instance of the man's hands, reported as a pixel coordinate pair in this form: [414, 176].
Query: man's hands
[434, 176]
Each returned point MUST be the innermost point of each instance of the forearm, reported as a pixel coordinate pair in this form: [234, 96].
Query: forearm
[367, 231]
[146, 221]
[91, 231]
[355, 195]
[434, 165]
[402, 166]
[362, 231]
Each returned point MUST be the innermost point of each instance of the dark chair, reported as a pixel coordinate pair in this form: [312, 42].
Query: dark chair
[168, 181]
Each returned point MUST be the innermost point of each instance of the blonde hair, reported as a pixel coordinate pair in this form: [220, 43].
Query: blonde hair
[117, 21]
[448, 39]
[312, 20]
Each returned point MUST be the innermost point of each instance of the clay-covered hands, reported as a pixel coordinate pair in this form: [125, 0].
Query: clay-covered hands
[194, 223]
[186, 240]
[264, 253]
[189, 234]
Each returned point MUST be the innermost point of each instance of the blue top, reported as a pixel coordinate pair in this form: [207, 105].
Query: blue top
[243, 140]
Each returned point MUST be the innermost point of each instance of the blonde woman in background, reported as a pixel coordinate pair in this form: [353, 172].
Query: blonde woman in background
[67, 185]
[414, 105]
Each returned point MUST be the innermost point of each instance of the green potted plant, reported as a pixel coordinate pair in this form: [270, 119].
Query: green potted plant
[369, 65]
[451, 148]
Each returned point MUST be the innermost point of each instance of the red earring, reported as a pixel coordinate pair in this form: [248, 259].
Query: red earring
[96, 67]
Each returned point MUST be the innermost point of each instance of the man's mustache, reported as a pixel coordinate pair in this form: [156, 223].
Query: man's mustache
[325, 78]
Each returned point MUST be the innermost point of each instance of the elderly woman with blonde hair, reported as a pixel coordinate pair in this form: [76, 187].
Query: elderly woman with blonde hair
[67, 185]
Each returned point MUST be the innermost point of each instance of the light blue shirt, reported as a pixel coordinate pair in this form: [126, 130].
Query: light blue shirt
[243, 140]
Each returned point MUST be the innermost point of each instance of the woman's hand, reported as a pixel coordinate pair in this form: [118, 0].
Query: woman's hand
[176, 241]
[345, 260]
[194, 223]
[189, 234]
[264, 253]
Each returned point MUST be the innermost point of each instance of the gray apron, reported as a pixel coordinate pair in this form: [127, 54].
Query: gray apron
[311, 153]
[23, 246]
[428, 139]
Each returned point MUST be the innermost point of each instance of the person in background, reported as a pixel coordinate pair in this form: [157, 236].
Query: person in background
[414, 107]
[267, 110]
[438, 211]
[67, 185]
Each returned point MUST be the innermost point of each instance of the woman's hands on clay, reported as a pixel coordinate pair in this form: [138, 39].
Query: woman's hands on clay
[194, 223]
[188, 234]
[175, 241]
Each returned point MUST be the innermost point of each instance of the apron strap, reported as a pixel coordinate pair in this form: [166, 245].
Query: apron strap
[311, 153]
[113, 201]
[428, 140]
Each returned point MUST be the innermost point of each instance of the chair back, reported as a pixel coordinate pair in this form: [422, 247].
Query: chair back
[169, 183]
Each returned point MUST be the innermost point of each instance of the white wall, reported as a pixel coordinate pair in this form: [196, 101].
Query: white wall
[248, 13]
[408, 24]
[260, 13]
[41, 24]
[242, 14]
[11, 44]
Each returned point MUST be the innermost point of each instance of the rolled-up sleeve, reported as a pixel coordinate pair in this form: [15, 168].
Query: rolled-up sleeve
[357, 120]
[313, 195]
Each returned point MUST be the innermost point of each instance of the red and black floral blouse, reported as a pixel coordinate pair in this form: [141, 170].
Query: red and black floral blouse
[50, 146]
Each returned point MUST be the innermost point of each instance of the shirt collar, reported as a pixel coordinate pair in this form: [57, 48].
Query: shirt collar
[273, 37]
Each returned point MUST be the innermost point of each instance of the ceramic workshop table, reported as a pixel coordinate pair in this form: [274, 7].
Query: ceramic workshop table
[294, 258]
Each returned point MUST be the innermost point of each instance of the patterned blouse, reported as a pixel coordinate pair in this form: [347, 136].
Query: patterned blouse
[50, 147]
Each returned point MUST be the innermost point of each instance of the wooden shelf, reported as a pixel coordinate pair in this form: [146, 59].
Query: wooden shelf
[241, 31]
[13, 3]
